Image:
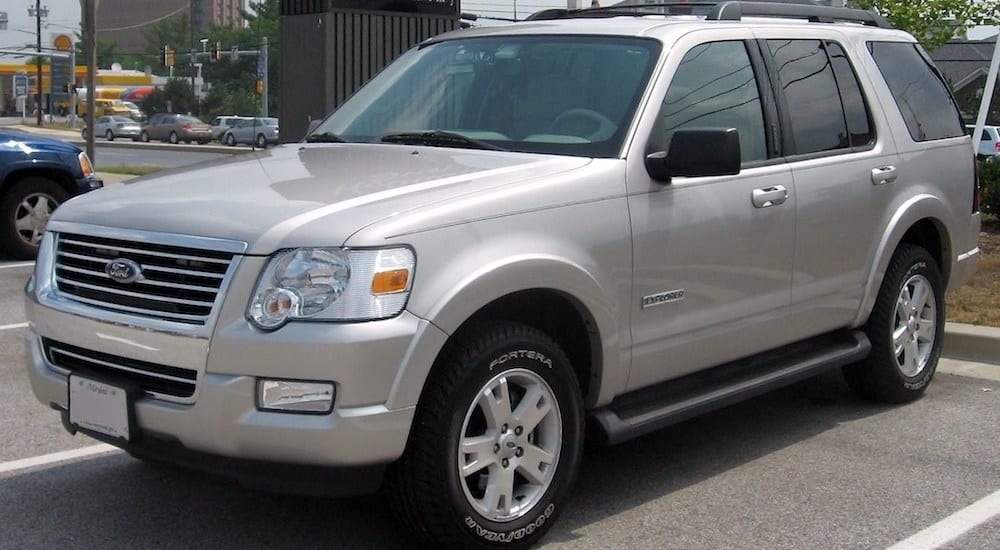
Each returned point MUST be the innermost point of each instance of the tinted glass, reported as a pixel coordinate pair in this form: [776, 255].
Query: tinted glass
[855, 107]
[806, 78]
[714, 86]
[921, 95]
[573, 95]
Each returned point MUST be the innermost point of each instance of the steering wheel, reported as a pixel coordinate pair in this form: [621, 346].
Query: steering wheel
[584, 123]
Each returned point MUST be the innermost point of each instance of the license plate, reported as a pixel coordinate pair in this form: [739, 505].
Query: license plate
[98, 407]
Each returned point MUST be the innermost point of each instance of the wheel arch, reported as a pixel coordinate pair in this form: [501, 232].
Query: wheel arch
[918, 222]
[583, 328]
[54, 173]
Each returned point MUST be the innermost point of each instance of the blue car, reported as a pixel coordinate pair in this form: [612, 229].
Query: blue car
[37, 174]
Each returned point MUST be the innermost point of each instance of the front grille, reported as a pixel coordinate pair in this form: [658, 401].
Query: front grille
[158, 380]
[178, 283]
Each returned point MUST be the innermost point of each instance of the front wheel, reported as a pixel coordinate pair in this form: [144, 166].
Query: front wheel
[496, 442]
[144, 137]
[906, 329]
[173, 138]
[25, 209]
[109, 135]
[230, 140]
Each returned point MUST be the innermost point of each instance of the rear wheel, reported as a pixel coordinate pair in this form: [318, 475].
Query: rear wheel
[173, 138]
[496, 442]
[261, 141]
[25, 209]
[906, 329]
[144, 137]
[109, 135]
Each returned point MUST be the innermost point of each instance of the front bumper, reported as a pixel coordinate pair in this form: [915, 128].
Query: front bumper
[85, 184]
[222, 419]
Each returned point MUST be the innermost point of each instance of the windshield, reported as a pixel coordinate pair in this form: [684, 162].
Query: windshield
[573, 95]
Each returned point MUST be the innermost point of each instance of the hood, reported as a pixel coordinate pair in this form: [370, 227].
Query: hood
[28, 144]
[264, 198]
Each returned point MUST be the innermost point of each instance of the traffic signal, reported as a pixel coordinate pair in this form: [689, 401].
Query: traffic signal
[260, 87]
[163, 55]
[217, 52]
[169, 57]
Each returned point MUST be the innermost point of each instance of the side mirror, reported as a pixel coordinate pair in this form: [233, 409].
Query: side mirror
[697, 152]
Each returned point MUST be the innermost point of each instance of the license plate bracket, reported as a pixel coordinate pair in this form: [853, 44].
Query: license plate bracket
[102, 406]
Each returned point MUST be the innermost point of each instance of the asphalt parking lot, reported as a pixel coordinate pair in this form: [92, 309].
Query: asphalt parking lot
[810, 466]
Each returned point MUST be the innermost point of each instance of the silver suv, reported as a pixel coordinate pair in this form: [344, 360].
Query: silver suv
[617, 217]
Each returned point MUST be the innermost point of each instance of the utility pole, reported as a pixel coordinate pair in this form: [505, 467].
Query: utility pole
[90, 39]
[263, 54]
[38, 59]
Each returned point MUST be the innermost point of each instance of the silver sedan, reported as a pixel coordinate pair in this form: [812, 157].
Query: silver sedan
[112, 127]
[255, 131]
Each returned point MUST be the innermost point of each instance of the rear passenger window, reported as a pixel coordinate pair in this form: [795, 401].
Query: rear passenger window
[806, 77]
[859, 124]
[921, 95]
[715, 86]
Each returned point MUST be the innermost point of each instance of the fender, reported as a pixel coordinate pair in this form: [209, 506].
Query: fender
[32, 165]
[463, 298]
[913, 210]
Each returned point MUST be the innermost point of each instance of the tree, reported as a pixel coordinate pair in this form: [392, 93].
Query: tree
[934, 22]
[176, 95]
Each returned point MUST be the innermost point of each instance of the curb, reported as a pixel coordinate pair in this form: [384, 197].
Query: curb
[976, 343]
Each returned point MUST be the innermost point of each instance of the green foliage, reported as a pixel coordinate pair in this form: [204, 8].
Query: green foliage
[177, 92]
[989, 181]
[232, 81]
[934, 22]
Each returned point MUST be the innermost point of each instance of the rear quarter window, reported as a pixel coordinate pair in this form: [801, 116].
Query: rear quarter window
[920, 93]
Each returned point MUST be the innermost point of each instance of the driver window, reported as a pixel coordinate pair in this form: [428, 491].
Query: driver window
[714, 86]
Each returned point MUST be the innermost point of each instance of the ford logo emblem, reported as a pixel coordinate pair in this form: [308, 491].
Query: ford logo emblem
[123, 270]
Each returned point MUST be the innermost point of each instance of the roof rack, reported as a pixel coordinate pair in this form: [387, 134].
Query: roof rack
[727, 11]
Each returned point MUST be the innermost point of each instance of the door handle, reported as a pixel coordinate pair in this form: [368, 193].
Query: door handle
[769, 196]
[884, 175]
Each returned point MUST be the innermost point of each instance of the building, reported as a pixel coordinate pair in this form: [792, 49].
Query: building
[965, 65]
[125, 22]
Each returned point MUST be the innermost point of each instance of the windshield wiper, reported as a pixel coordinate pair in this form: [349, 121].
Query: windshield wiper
[438, 138]
[325, 137]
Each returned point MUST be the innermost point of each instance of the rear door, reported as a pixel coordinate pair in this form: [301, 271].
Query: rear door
[845, 172]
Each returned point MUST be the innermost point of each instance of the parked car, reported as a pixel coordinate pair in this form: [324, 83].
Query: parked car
[175, 128]
[37, 174]
[222, 123]
[989, 144]
[255, 131]
[510, 235]
[111, 127]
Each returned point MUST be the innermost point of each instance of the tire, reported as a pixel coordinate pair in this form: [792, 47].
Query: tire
[261, 142]
[172, 138]
[25, 209]
[440, 493]
[230, 140]
[109, 135]
[144, 137]
[910, 304]
[202, 142]
[83, 133]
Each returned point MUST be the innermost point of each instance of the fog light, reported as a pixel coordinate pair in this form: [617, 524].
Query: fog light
[295, 396]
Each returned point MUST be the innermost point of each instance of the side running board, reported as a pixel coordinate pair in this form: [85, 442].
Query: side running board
[649, 409]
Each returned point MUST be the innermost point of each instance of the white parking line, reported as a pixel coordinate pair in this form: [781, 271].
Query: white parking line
[12, 266]
[54, 458]
[12, 327]
[953, 526]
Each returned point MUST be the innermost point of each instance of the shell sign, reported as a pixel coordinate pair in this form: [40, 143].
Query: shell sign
[63, 42]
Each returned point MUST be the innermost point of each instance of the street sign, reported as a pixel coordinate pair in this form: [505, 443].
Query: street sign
[20, 85]
[62, 74]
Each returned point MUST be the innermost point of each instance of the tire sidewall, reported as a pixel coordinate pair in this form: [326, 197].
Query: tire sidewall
[550, 364]
[10, 200]
[911, 261]
[920, 265]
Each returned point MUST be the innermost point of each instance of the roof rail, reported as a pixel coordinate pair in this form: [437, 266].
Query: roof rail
[734, 11]
[725, 11]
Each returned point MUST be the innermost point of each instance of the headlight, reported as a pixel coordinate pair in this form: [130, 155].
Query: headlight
[332, 284]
